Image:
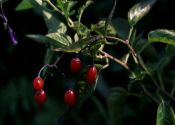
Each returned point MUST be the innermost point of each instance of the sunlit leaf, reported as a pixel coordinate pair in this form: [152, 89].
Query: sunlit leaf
[165, 114]
[80, 45]
[163, 36]
[138, 11]
[81, 29]
[61, 38]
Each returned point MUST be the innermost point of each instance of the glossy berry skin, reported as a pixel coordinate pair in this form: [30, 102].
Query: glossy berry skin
[70, 97]
[38, 83]
[91, 75]
[75, 64]
[40, 97]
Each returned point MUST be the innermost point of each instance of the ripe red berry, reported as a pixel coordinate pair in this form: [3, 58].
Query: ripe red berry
[40, 97]
[75, 64]
[38, 83]
[70, 97]
[91, 75]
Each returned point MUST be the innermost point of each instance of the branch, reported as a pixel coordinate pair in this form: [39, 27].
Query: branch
[124, 42]
[154, 81]
[115, 59]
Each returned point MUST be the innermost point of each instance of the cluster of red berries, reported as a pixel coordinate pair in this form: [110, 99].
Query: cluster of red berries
[40, 95]
[70, 96]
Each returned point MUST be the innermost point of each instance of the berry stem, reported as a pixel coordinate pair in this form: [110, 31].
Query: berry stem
[51, 65]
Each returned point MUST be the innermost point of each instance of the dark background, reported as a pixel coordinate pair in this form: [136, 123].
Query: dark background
[19, 65]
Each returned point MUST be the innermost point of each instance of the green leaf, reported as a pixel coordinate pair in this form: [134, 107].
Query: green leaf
[81, 29]
[61, 38]
[121, 26]
[138, 11]
[163, 36]
[115, 102]
[53, 23]
[79, 45]
[66, 7]
[99, 28]
[165, 114]
[46, 40]
[24, 5]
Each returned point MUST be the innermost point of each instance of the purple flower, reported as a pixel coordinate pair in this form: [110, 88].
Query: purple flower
[12, 35]
[10, 31]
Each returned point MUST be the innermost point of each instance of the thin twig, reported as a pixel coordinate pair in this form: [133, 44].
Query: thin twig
[147, 92]
[115, 59]
[124, 42]
[154, 81]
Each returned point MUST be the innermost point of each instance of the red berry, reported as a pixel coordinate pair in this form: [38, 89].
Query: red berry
[38, 83]
[91, 75]
[40, 97]
[75, 64]
[70, 97]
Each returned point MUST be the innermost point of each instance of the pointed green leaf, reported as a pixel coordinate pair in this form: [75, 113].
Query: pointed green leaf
[61, 38]
[66, 7]
[81, 44]
[162, 35]
[121, 26]
[81, 29]
[138, 11]
[165, 114]
[24, 5]
[46, 40]
[53, 23]
[99, 28]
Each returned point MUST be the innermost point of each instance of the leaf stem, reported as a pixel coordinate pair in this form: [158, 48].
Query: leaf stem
[51, 65]
[130, 33]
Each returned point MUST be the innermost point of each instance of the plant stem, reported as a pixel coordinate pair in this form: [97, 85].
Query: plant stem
[124, 42]
[115, 59]
[70, 22]
[161, 81]
[154, 81]
[130, 33]
[147, 92]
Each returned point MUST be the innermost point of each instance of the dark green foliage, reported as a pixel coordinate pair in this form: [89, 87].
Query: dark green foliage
[135, 63]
